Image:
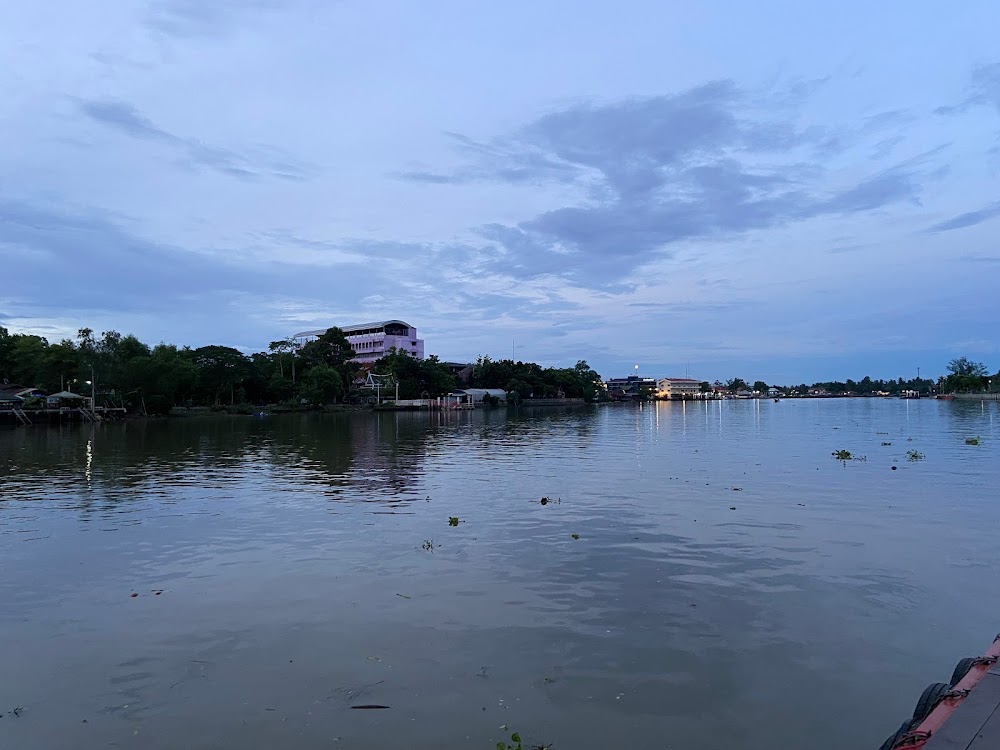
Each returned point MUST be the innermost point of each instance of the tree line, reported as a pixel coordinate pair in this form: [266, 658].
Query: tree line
[123, 371]
[963, 376]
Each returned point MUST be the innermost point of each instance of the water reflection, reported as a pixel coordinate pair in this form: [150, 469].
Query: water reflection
[721, 558]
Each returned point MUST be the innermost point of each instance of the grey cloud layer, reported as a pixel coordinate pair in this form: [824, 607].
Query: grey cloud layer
[249, 165]
[660, 170]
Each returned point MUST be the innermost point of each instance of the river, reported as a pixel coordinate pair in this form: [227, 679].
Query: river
[704, 575]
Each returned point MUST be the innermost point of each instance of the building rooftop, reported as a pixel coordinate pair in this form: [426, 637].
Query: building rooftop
[349, 329]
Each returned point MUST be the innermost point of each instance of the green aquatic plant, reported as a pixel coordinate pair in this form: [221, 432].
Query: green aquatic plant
[972, 441]
[842, 455]
[452, 520]
[428, 545]
[516, 739]
[914, 455]
[575, 536]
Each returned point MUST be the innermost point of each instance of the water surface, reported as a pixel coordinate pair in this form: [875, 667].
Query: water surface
[731, 583]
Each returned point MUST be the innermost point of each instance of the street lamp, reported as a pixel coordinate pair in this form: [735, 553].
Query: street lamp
[93, 388]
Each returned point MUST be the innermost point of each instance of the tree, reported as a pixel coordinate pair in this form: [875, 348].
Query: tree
[281, 347]
[966, 375]
[322, 384]
[760, 386]
[416, 377]
[965, 367]
[220, 368]
[736, 384]
[331, 349]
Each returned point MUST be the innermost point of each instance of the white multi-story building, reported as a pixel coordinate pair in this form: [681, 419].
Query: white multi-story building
[678, 388]
[371, 341]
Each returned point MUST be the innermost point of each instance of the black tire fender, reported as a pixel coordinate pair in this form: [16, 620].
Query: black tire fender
[929, 698]
[962, 669]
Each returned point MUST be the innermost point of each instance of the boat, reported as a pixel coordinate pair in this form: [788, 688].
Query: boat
[945, 396]
[961, 713]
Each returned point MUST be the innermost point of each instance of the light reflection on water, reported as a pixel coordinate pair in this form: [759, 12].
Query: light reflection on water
[732, 582]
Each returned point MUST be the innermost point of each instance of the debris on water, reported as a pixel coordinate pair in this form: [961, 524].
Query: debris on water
[972, 441]
[544, 501]
[548, 680]
[17, 711]
[156, 592]
[893, 468]
[802, 505]
[370, 706]
[575, 536]
[373, 658]
[404, 596]
[737, 489]
[732, 507]
[914, 455]
[133, 595]
[842, 455]
[452, 521]
[428, 545]
[885, 444]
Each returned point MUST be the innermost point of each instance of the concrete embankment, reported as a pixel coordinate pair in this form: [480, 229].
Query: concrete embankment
[977, 396]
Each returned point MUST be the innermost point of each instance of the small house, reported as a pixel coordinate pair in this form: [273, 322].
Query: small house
[9, 400]
[66, 400]
[479, 395]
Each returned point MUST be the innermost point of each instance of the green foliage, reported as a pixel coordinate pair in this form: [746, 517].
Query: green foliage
[760, 386]
[158, 406]
[842, 455]
[972, 441]
[737, 384]
[914, 455]
[452, 521]
[964, 375]
[322, 384]
[524, 380]
[427, 378]
[333, 350]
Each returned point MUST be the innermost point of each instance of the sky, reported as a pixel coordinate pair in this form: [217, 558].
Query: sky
[783, 191]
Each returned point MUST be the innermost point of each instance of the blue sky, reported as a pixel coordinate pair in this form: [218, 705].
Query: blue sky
[778, 190]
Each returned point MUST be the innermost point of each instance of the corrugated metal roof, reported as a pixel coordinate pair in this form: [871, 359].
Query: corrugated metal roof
[348, 329]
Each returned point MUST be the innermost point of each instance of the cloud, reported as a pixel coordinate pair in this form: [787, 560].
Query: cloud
[200, 18]
[968, 219]
[984, 90]
[249, 165]
[77, 260]
[709, 162]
